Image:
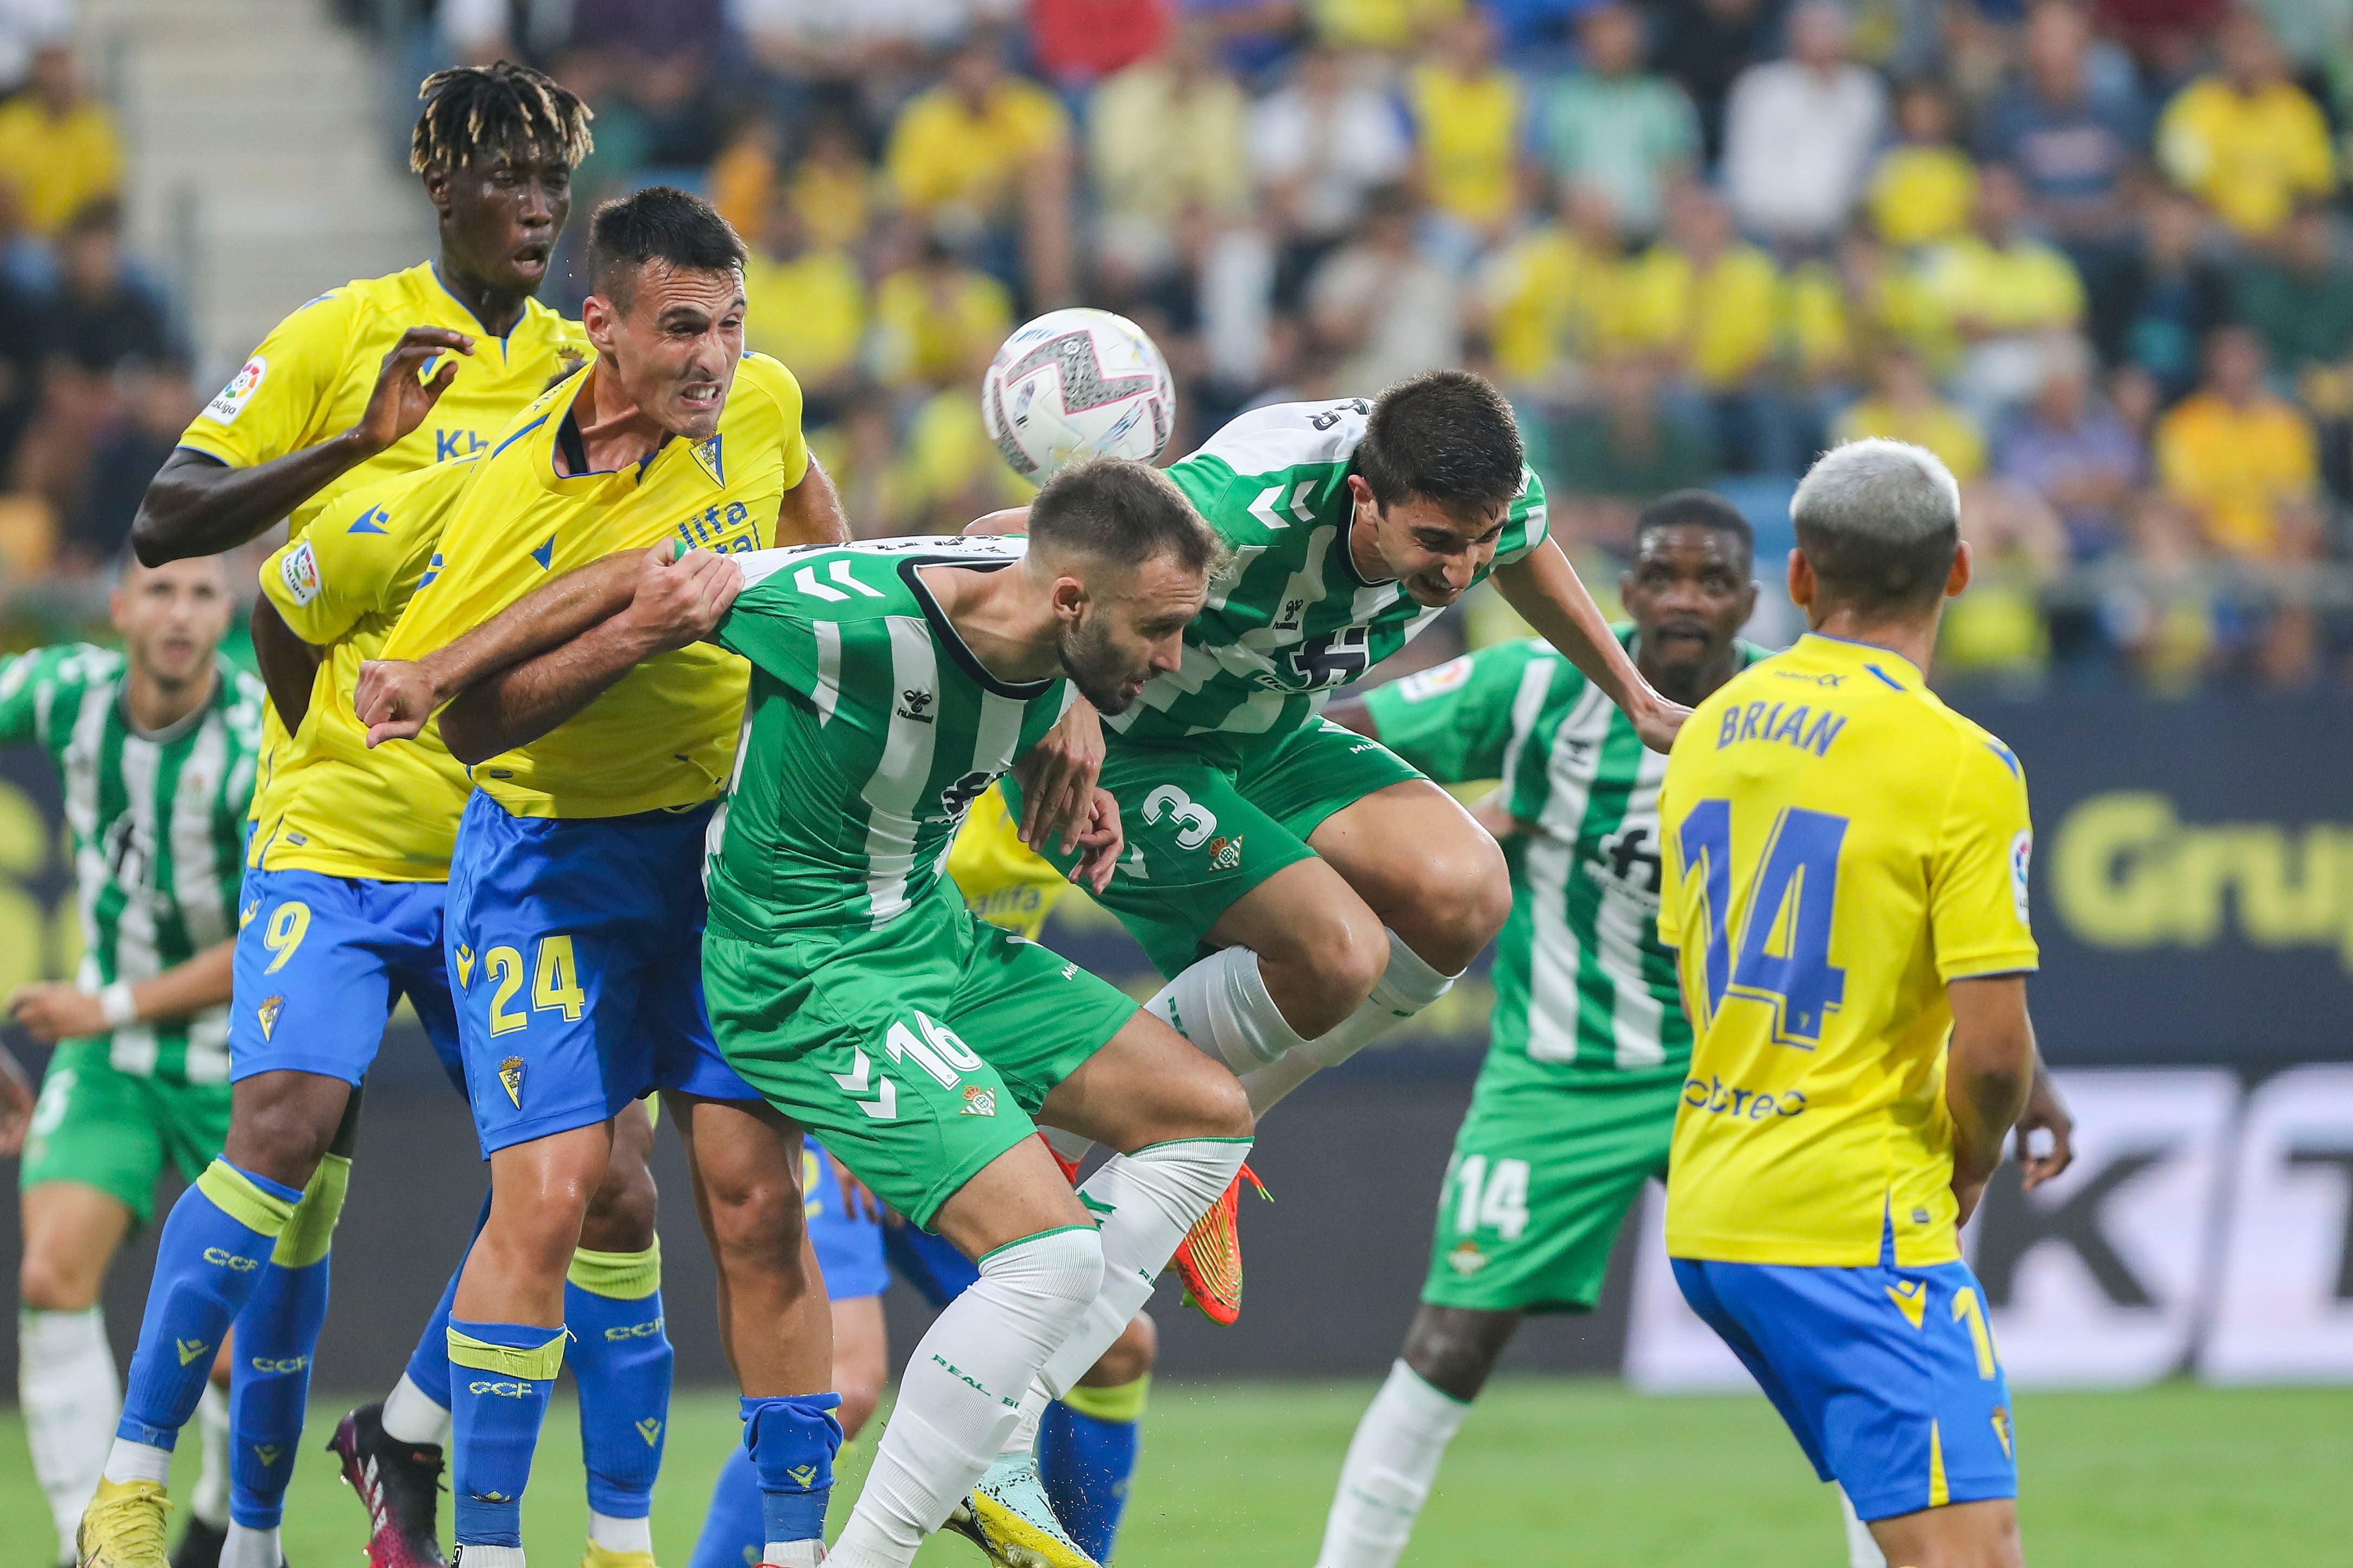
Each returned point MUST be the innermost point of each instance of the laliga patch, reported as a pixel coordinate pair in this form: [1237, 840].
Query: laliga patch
[2021, 858]
[979, 1100]
[230, 400]
[299, 569]
[1428, 683]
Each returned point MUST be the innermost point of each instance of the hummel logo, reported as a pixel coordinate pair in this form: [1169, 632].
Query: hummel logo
[912, 704]
[190, 1350]
[649, 1429]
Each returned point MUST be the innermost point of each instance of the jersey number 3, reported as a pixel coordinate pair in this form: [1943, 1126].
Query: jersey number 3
[1782, 953]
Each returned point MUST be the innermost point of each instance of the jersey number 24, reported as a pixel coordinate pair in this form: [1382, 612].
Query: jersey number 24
[1780, 954]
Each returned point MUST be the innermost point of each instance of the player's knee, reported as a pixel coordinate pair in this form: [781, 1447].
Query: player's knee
[859, 1400]
[1327, 965]
[757, 1225]
[1454, 1349]
[1224, 1110]
[620, 1217]
[48, 1282]
[1130, 1356]
[1465, 895]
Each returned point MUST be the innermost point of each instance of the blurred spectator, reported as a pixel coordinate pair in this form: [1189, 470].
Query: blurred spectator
[658, 59]
[805, 305]
[1903, 406]
[1712, 304]
[1999, 291]
[937, 316]
[985, 157]
[1256, 35]
[2163, 616]
[2300, 301]
[2248, 141]
[2243, 459]
[1319, 145]
[948, 471]
[2016, 547]
[1606, 461]
[1077, 43]
[1467, 110]
[1546, 294]
[2164, 299]
[1613, 126]
[1168, 135]
[2073, 144]
[1838, 316]
[24, 26]
[1704, 45]
[157, 403]
[58, 144]
[1923, 187]
[25, 328]
[1391, 26]
[478, 32]
[841, 55]
[1385, 310]
[1797, 132]
[833, 185]
[2074, 452]
[100, 318]
[2165, 36]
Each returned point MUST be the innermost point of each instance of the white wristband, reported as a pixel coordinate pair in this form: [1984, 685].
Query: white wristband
[115, 1002]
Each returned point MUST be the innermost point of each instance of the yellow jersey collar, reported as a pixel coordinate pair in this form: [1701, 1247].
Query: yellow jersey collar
[1863, 658]
[544, 430]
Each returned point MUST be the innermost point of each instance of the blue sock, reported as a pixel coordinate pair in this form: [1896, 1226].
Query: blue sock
[733, 1530]
[793, 1441]
[277, 1341]
[1085, 1460]
[621, 1359]
[499, 1377]
[428, 1364]
[207, 1262]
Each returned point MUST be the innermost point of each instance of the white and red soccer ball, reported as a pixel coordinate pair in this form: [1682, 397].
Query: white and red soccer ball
[1077, 384]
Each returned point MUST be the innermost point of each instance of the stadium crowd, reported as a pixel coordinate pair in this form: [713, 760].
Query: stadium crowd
[2092, 257]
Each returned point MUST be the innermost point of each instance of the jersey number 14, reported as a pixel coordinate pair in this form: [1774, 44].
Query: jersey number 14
[1781, 953]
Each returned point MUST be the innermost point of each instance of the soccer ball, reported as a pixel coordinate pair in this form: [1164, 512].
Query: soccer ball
[1077, 384]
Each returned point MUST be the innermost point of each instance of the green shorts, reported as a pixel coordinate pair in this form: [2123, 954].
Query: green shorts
[1208, 822]
[1541, 1179]
[111, 1130]
[916, 1054]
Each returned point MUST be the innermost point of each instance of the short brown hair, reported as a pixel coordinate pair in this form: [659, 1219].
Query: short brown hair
[1124, 513]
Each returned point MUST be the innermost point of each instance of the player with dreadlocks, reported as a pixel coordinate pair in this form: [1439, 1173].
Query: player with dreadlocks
[352, 417]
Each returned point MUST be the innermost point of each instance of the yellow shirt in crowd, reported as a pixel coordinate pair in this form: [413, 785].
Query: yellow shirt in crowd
[1726, 320]
[57, 165]
[2024, 287]
[1839, 847]
[809, 312]
[941, 155]
[934, 326]
[1939, 426]
[1390, 25]
[2249, 158]
[2237, 466]
[1920, 195]
[1468, 136]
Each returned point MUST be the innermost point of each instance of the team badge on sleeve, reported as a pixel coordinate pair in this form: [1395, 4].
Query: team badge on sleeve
[230, 400]
[300, 570]
[2022, 856]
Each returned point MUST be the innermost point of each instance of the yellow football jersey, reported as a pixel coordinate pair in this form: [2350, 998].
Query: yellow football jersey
[663, 736]
[325, 802]
[1004, 882]
[311, 377]
[1839, 844]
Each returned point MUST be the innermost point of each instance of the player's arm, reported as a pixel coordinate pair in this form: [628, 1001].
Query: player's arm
[16, 1105]
[198, 504]
[53, 1010]
[289, 665]
[663, 604]
[2046, 1111]
[811, 511]
[1988, 1075]
[1545, 589]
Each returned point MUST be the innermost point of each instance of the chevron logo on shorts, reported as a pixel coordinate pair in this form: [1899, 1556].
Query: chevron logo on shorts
[465, 957]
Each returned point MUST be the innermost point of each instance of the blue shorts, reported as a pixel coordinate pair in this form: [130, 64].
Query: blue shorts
[1887, 1376]
[858, 1255]
[319, 961]
[576, 944]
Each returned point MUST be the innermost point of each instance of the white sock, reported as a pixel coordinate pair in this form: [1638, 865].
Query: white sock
[129, 1461]
[795, 1554]
[1392, 1462]
[1149, 1200]
[618, 1534]
[1862, 1546]
[1022, 1441]
[1407, 986]
[71, 1397]
[209, 1501]
[1222, 1005]
[412, 1415]
[963, 1388]
[1068, 1145]
[251, 1548]
[492, 1556]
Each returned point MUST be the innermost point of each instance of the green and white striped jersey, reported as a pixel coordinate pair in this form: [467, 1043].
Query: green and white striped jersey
[1584, 989]
[158, 830]
[1289, 620]
[870, 729]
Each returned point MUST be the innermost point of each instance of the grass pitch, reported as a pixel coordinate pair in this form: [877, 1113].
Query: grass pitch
[1545, 1473]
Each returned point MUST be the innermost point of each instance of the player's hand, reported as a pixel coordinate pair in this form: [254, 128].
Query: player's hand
[1966, 1192]
[681, 596]
[1101, 843]
[400, 402]
[393, 698]
[2045, 1113]
[52, 1010]
[857, 1200]
[1058, 778]
[16, 1105]
[1658, 721]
